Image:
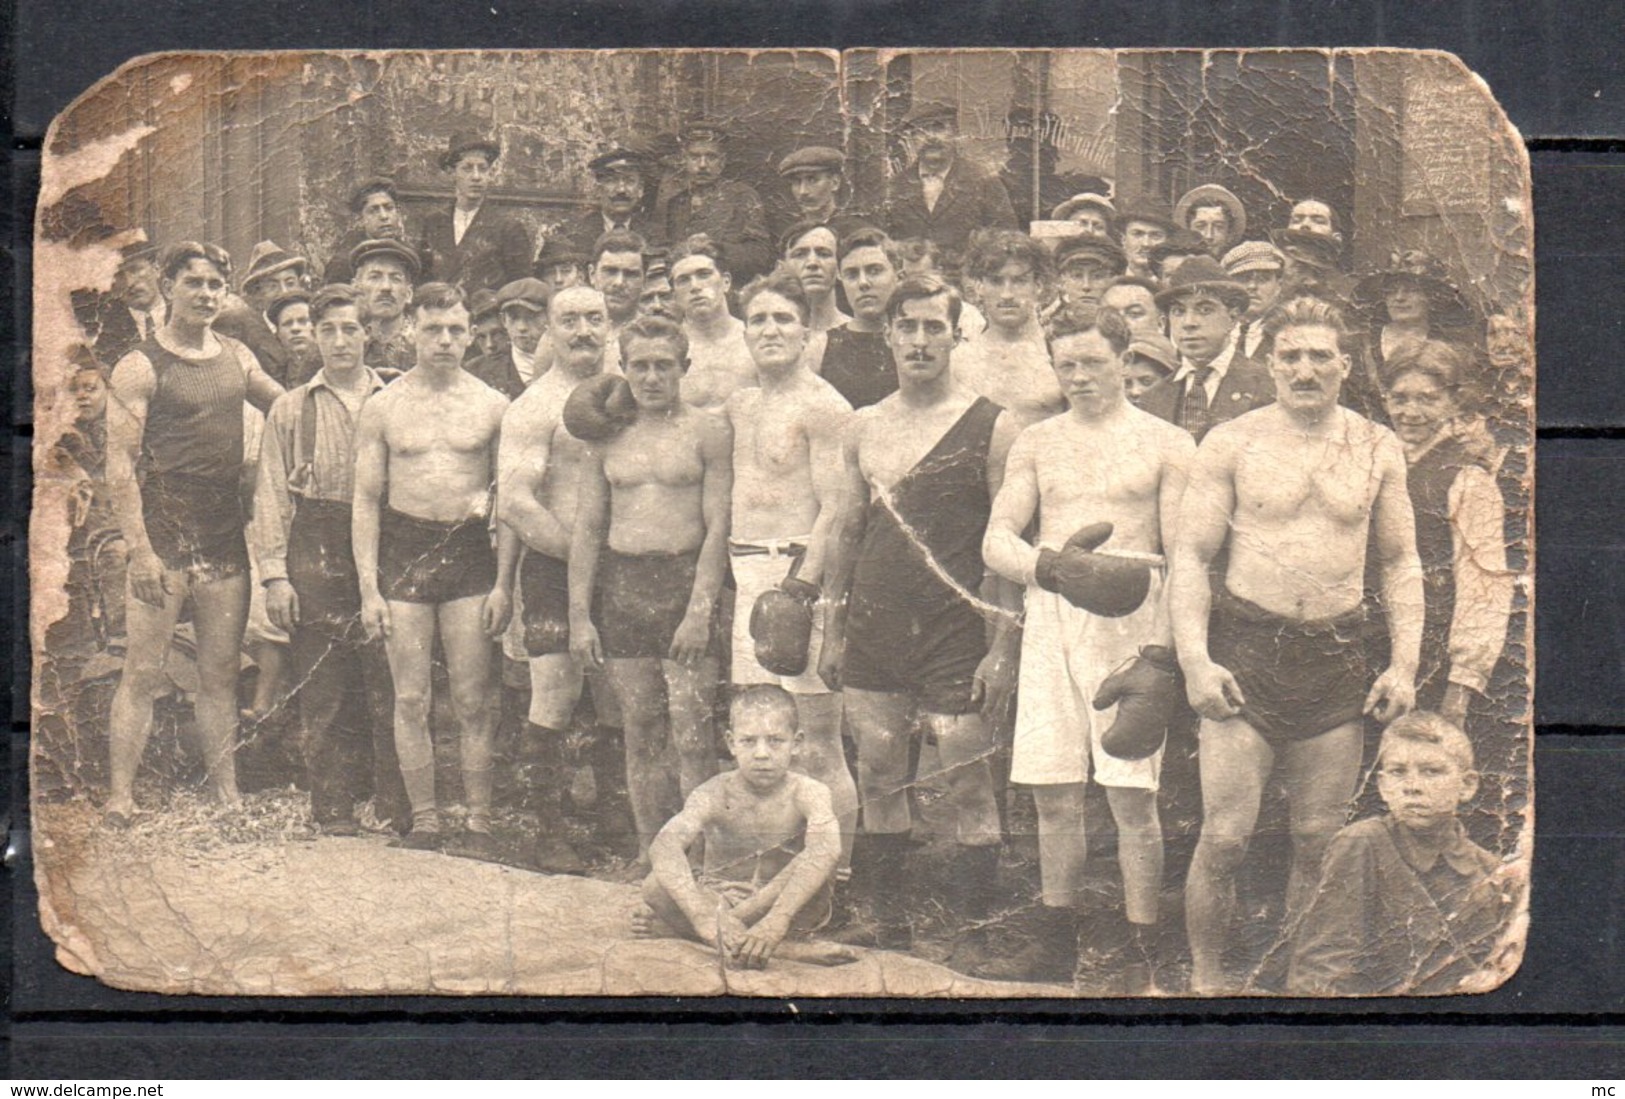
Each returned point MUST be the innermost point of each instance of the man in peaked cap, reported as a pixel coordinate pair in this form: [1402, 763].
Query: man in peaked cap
[815, 175]
[1215, 381]
[522, 304]
[385, 271]
[1259, 266]
[1094, 212]
[728, 211]
[1213, 213]
[620, 182]
[1084, 267]
[474, 246]
[1141, 226]
[378, 217]
[939, 196]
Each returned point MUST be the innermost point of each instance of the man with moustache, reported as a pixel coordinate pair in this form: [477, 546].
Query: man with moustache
[1141, 226]
[939, 196]
[619, 185]
[135, 310]
[1215, 381]
[426, 450]
[272, 272]
[1009, 362]
[1278, 650]
[175, 466]
[786, 496]
[857, 359]
[728, 211]
[905, 632]
[815, 175]
[302, 542]
[378, 217]
[539, 467]
[1257, 265]
[718, 360]
[648, 555]
[384, 273]
[472, 245]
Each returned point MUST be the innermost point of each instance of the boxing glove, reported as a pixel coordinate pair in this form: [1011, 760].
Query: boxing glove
[1149, 692]
[1099, 583]
[781, 625]
[599, 408]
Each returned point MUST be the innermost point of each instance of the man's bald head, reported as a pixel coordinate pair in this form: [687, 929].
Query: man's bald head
[573, 298]
[578, 325]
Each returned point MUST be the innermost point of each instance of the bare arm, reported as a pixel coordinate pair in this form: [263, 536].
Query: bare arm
[1395, 519]
[1003, 548]
[262, 389]
[586, 542]
[846, 537]
[799, 881]
[825, 429]
[668, 858]
[1178, 454]
[1200, 532]
[131, 388]
[527, 448]
[371, 474]
[692, 638]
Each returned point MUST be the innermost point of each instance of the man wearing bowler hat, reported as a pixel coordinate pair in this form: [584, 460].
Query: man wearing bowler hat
[385, 271]
[1214, 382]
[938, 196]
[728, 211]
[815, 175]
[1213, 213]
[378, 217]
[620, 180]
[135, 309]
[474, 246]
[1141, 226]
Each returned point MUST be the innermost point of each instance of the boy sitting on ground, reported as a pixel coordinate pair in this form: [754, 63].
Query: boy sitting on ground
[1407, 903]
[771, 846]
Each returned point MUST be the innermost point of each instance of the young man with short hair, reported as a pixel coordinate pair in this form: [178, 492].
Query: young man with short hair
[857, 359]
[1009, 362]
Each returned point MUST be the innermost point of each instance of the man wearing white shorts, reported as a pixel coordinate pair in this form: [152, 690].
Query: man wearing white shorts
[1104, 480]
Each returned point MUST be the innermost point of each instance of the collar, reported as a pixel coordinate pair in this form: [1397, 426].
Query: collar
[1221, 362]
[521, 360]
[1458, 852]
[320, 381]
[942, 175]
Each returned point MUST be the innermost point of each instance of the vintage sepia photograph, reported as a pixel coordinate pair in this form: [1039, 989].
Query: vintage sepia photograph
[784, 523]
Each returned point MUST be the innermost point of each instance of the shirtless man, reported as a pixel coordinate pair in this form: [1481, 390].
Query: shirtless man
[539, 464]
[647, 559]
[1276, 656]
[1009, 363]
[1103, 461]
[719, 361]
[786, 489]
[905, 632]
[770, 849]
[426, 450]
[176, 415]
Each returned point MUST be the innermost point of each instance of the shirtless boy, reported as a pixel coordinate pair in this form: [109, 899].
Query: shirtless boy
[1009, 363]
[771, 846]
[175, 414]
[1103, 461]
[906, 635]
[786, 490]
[1276, 656]
[539, 464]
[647, 559]
[426, 450]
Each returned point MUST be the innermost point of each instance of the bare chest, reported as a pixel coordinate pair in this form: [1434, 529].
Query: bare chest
[1281, 478]
[654, 455]
[437, 425]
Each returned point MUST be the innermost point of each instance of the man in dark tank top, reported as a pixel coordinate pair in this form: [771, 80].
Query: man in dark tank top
[175, 468]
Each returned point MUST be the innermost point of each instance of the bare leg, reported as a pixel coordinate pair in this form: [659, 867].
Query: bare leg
[1235, 761]
[689, 696]
[411, 637]
[1063, 843]
[1320, 776]
[965, 747]
[1139, 850]
[149, 630]
[666, 920]
[822, 758]
[640, 690]
[555, 688]
[272, 659]
[470, 658]
[882, 727]
[220, 612]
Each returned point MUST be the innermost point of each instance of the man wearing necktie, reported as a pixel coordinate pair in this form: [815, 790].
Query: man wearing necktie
[1215, 380]
[619, 185]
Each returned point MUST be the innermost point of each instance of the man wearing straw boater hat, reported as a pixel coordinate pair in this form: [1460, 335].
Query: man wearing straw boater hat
[475, 247]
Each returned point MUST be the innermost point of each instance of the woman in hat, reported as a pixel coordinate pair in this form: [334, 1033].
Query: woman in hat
[475, 247]
[1460, 529]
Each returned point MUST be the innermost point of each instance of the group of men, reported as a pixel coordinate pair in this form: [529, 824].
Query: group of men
[639, 468]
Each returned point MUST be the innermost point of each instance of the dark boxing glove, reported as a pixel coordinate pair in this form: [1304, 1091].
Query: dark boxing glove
[599, 408]
[1099, 583]
[781, 625]
[1149, 693]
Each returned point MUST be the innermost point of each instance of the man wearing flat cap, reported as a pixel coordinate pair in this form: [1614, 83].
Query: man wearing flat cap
[1142, 224]
[1215, 381]
[522, 305]
[385, 271]
[272, 272]
[728, 211]
[1084, 267]
[815, 175]
[1213, 213]
[1312, 262]
[474, 246]
[378, 217]
[1259, 266]
[620, 181]
[939, 196]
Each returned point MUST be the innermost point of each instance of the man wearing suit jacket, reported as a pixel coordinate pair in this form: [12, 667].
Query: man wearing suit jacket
[135, 309]
[473, 246]
[939, 196]
[728, 211]
[1214, 381]
[378, 217]
[619, 180]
